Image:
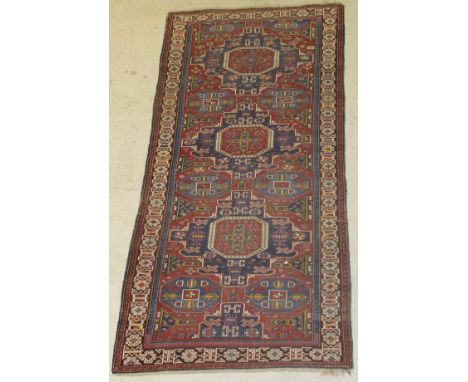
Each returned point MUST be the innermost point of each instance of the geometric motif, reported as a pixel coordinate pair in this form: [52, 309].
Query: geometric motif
[236, 237]
[244, 141]
[239, 241]
[284, 99]
[232, 322]
[282, 184]
[189, 294]
[200, 186]
[277, 295]
[247, 60]
[211, 101]
[239, 256]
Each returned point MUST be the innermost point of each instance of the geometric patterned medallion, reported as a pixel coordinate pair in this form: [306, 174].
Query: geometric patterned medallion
[190, 294]
[244, 141]
[238, 237]
[251, 60]
[277, 295]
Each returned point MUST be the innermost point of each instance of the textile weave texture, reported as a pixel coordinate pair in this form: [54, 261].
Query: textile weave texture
[239, 257]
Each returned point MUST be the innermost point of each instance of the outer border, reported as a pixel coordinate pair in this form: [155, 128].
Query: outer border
[341, 212]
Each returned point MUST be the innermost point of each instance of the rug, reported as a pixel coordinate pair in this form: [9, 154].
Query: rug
[239, 257]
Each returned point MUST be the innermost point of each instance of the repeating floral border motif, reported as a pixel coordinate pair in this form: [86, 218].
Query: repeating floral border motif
[335, 350]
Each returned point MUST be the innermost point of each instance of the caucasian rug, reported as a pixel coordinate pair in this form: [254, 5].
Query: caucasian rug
[239, 257]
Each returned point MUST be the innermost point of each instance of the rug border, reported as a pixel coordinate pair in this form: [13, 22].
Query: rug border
[145, 188]
[347, 362]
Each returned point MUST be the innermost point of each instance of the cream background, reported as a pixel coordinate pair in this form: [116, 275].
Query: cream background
[136, 35]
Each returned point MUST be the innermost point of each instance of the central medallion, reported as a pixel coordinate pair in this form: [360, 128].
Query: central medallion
[238, 237]
[244, 140]
[251, 60]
